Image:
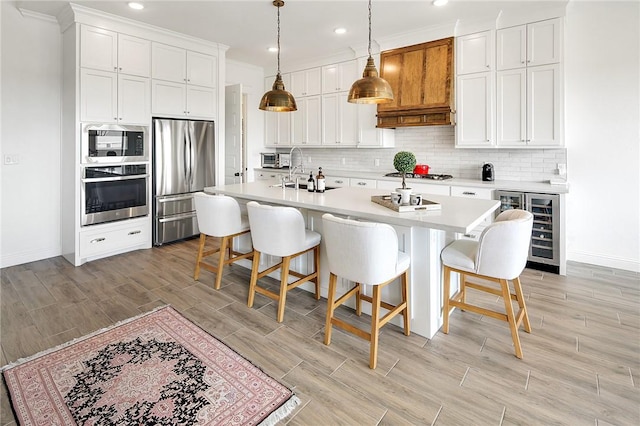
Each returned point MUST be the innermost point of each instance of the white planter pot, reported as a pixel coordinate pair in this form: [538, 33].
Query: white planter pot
[406, 195]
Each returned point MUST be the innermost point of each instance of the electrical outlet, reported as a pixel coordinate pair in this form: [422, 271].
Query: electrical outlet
[562, 169]
[344, 161]
[309, 159]
[376, 162]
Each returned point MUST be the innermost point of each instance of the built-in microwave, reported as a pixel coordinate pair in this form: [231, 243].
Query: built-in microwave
[274, 160]
[111, 143]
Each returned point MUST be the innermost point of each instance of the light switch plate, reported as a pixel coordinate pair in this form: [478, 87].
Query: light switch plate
[11, 160]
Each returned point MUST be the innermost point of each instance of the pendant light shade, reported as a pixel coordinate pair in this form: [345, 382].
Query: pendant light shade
[278, 99]
[370, 89]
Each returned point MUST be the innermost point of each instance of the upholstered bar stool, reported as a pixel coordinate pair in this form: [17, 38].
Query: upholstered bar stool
[499, 256]
[280, 231]
[367, 254]
[219, 216]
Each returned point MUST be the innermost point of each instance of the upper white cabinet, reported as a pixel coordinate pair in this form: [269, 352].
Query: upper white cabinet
[529, 85]
[475, 90]
[475, 53]
[106, 50]
[277, 125]
[339, 77]
[339, 120]
[306, 82]
[534, 44]
[306, 121]
[114, 83]
[184, 82]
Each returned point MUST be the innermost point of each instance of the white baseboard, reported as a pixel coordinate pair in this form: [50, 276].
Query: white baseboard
[13, 259]
[606, 261]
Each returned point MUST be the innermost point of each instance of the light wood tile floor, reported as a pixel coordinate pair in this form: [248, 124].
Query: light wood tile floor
[581, 362]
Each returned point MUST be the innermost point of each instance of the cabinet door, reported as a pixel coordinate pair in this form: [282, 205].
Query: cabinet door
[202, 69]
[475, 53]
[134, 55]
[511, 107]
[544, 42]
[330, 129]
[98, 48]
[543, 106]
[168, 63]
[201, 101]
[390, 65]
[474, 126]
[134, 98]
[410, 92]
[512, 47]
[306, 121]
[168, 98]
[348, 121]
[98, 96]
[306, 82]
[436, 83]
[339, 77]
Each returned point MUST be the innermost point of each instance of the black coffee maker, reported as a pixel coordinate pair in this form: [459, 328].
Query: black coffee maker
[487, 172]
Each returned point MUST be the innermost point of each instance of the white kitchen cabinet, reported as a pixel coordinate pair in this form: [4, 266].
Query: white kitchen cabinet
[416, 187]
[269, 176]
[363, 183]
[533, 44]
[277, 129]
[479, 193]
[475, 53]
[106, 50]
[336, 181]
[307, 121]
[339, 121]
[475, 110]
[110, 97]
[103, 240]
[339, 77]
[179, 99]
[529, 107]
[306, 82]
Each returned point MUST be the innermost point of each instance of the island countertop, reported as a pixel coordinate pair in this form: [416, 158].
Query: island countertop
[458, 214]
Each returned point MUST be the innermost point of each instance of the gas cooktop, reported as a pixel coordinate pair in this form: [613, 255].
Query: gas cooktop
[417, 176]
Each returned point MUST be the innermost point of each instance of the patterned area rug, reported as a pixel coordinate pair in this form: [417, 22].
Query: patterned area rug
[156, 369]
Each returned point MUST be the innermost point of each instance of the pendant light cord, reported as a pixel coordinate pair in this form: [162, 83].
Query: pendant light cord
[278, 39]
[369, 28]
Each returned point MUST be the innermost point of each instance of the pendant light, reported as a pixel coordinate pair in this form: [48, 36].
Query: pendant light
[278, 99]
[370, 89]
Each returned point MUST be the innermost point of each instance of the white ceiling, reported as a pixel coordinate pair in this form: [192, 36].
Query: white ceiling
[248, 27]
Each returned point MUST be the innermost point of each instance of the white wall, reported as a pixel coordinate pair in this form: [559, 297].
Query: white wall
[602, 110]
[252, 80]
[31, 87]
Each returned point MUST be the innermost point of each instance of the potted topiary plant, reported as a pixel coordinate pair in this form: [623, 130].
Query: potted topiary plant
[404, 162]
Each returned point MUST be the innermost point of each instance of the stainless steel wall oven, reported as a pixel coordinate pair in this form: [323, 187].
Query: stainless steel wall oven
[114, 192]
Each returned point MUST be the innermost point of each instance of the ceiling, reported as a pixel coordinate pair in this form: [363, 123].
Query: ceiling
[248, 27]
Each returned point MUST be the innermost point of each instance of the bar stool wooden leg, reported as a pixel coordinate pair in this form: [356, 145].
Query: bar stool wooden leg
[445, 295]
[284, 282]
[316, 264]
[254, 278]
[196, 273]
[375, 327]
[405, 299]
[506, 295]
[523, 307]
[224, 241]
[358, 299]
[330, 308]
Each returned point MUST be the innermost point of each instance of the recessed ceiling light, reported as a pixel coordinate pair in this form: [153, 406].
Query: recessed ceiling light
[272, 49]
[136, 5]
[340, 30]
[440, 2]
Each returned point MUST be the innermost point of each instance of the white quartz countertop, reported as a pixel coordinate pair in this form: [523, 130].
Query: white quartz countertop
[503, 185]
[458, 214]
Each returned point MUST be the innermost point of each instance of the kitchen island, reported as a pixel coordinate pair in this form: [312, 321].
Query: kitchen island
[421, 234]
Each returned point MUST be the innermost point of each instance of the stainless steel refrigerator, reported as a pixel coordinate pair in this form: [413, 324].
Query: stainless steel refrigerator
[183, 163]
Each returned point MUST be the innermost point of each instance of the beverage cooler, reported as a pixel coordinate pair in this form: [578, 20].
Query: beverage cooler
[545, 237]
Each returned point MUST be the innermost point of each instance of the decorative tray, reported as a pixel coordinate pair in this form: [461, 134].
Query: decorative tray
[385, 200]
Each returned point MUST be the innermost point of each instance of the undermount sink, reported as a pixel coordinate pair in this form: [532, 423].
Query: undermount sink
[300, 186]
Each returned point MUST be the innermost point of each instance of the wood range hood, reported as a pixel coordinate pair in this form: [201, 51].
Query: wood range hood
[421, 77]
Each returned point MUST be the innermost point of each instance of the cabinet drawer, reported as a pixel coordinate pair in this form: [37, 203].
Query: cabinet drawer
[107, 240]
[268, 176]
[337, 181]
[362, 183]
[471, 192]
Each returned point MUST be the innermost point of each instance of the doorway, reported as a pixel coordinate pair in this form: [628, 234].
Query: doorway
[235, 161]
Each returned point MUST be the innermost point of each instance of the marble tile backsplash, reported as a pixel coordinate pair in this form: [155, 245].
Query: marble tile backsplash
[435, 146]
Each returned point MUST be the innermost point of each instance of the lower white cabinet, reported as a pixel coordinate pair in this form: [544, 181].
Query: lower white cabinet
[169, 98]
[363, 183]
[336, 181]
[105, 240]
[419, 188]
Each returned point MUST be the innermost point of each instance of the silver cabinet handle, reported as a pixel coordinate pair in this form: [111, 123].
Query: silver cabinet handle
[469, 193]
[362, 183]
[134, 232]
[97, 240]
[339, 181]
